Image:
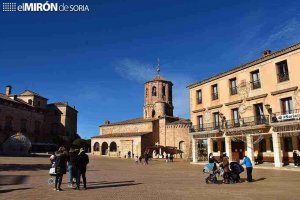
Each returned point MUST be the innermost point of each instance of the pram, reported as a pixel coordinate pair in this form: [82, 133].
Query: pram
[52, 174]
[235, 170]
[213, 172]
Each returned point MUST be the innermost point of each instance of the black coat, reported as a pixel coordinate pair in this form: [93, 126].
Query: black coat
[61, 163]
[82, 161]
[73, 158]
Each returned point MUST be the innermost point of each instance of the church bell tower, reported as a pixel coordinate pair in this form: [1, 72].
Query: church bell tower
[158, 97]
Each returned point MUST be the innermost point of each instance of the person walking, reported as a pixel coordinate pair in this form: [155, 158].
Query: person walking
[72, 164]
[247, 162]
[83, 160]
[146, 157]
[60, 167]
[225, 161]
[296, 159]
[212, 160]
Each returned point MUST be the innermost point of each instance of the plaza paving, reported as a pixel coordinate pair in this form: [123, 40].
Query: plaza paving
[26, 178]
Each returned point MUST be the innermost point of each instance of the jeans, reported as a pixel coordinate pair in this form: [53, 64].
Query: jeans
[249, 174]
[72, 173]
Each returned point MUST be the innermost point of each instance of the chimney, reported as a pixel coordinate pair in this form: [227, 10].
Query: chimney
[107, 122]
[8, 90]
[267, 52]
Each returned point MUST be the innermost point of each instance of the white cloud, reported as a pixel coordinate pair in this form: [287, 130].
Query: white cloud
[141, 72]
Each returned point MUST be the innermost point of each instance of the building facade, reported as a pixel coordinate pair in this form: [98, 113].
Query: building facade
[253, 110]
[157, 128]
[30, 114]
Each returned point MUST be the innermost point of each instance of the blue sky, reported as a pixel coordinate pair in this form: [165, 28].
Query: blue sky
[99, 60]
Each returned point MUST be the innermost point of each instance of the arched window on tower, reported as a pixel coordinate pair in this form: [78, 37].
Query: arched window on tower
[154, 91]
[153, 113]
[164, 91]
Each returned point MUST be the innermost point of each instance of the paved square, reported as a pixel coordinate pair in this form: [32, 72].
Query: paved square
[26, 178]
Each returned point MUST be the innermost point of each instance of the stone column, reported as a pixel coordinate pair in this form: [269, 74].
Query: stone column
[194, 150]
[277, 150]
[209, 146]
[250, 147]
[295, 143]
[228, 148]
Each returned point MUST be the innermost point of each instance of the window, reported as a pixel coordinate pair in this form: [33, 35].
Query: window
[164, 91]
[214, 92]
[154, 91]
[255, 80]
[199, 96]
[23, 126]
[223, 146]
[146, 92]
[216, 120]
[288, 145]
[235, 117]
[215, 146]
[233, 86]
[271, 144]
[37, 127]
[282, 71]
[287, 105]
[200, 122]
[259, 114]
[8, 123]
[30, 101]
[153, 113]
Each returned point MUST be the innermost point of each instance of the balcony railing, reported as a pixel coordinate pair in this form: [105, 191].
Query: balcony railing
[233, 90]
[214, 96]
[205, 127]
[199, 101]
[283, 77]
[242, 122]
[255, 84]
[286, 116]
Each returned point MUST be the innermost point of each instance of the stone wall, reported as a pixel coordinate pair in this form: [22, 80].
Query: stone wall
[127, 128]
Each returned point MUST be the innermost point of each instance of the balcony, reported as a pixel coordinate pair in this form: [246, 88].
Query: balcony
[233, 90]
[290, 115]
[215, 96]
[204, 127]
[255, 84]
[283, 77]
[248, 121]
[199, 101]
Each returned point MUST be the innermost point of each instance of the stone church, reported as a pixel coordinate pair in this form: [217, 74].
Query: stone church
[157, 129]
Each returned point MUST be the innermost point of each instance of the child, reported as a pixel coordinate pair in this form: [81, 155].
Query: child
[136, 159]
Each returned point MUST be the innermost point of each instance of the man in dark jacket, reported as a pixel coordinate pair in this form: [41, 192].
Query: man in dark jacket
[60, 167]
[82, 161]
[296, 159]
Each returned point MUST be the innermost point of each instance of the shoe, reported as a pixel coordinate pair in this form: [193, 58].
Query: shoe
[70, 185]
[54, 189]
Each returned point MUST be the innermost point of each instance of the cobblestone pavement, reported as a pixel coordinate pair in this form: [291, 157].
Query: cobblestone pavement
[26, 178]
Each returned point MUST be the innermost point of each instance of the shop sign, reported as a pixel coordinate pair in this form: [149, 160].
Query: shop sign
[285, 117]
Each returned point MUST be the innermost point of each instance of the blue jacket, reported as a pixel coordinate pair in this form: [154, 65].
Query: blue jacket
[247, 162]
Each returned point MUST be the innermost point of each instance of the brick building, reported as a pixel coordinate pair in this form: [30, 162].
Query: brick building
[30, 114]
[158, 126]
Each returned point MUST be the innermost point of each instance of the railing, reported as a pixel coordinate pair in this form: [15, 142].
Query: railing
[283, 77]
[233, 90]
[242, 122]
[247, 121]
[255, 84]
[286, 116]
[205, 127]
[214, 96]
[199, 101]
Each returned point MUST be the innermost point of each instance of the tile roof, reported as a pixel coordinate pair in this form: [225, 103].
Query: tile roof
[158, 78]
[122, 135]
[247, 65]
[181, 121]
[130, 121]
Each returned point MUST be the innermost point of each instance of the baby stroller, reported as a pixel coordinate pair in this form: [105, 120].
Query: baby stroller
[235, 170]
[213, 172]
[52, 174]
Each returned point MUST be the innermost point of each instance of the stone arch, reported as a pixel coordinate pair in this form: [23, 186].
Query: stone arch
[113, 147]
[96, 146]
[104, 148]
[182, 148]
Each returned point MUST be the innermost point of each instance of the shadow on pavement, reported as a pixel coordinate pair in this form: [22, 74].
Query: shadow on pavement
[111, 184]
[260, 179]
[25, 167]
[12, 179]
[11, 190]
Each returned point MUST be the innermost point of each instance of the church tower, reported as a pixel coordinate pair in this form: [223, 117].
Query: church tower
[158, 97]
